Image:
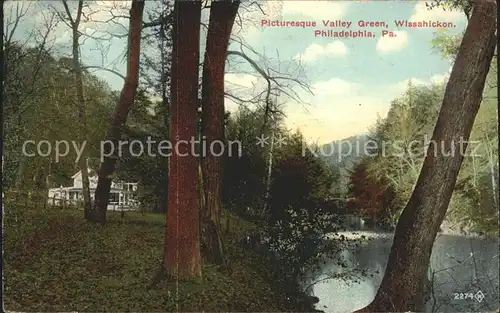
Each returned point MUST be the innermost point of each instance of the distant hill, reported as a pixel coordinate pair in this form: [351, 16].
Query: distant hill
[342, 154]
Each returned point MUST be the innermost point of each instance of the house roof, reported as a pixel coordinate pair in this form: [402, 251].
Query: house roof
[91, 171]
[92, 189]
[80, 189]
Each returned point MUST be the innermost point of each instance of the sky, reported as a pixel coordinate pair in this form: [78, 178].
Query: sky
[352, 80]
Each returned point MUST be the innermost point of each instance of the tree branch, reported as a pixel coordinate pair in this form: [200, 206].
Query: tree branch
[103, 69]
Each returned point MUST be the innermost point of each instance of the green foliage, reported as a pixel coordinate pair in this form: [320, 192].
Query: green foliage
[39, 105]
[446, 44]
[402, 138]
[243, 183]
[298, 240]
[149, 170]
[449, 5]
[298, 214]
[373, 197]
[299, 177]
[342, 155]
[476, 193]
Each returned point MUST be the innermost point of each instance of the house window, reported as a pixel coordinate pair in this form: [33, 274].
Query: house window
[113, 197]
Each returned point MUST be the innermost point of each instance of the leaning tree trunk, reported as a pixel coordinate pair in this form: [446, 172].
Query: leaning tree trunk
[222, 15]
[182, 243]
[405, 279]
[124, 105]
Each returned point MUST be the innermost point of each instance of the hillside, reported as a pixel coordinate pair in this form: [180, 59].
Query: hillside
[342, 154]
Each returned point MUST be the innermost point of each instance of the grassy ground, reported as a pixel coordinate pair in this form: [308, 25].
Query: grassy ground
[55, 261]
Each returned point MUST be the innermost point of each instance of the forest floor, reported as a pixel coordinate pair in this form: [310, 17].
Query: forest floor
[56, 261]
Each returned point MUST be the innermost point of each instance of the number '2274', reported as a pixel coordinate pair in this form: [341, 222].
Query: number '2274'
[463, 296]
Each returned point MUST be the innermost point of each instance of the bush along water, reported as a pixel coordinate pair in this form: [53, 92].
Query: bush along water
[294, 243]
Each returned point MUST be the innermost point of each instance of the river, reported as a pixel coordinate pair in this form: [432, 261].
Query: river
[464, 269]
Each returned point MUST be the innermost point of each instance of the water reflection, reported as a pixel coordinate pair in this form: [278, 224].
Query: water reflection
[459, 265]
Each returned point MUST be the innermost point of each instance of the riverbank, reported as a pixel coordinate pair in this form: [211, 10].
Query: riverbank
[55, 261]
[464, 263]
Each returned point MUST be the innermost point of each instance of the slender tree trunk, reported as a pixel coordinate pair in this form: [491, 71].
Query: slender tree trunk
[3, 56]
[81, 116]
[222, 15]
[493, 173]
[494, 187]
[166, 107]
[48, 176]
[19, 182]
[269, 172]
[405, 279]
[127, 97]
[80, 101]
[182, 243]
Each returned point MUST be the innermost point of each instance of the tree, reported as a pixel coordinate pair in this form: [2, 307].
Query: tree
[222, 15]
[122, 109]
[182, 244]
[300, 180]
[463, 5]
[243, 171]
[275, 120]
[404, 283]
[156, 80]
[373, 197]
[150, 171]
[80, 101]
[22, 67]
[48, 116]
[475, 202]
[401, 139]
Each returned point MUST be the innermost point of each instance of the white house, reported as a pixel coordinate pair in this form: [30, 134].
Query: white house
[121, 193]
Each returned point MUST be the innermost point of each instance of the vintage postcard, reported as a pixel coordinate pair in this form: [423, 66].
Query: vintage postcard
[250, 156]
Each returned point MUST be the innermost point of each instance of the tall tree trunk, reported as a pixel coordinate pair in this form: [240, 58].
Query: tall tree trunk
[127, 97]
[182, 243]
[80, 102]
[222, 15]
[3, 64]
[83, 126]
[269, 171]
[47, 183]
[493, 173]
[166, 107]
[405, 279]
[19, 182]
